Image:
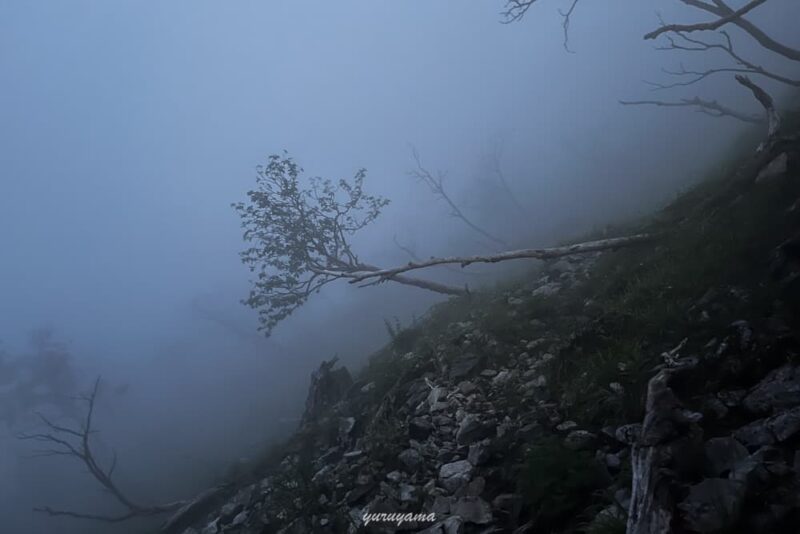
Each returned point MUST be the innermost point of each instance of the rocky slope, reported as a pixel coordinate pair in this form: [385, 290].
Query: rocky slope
[661, 382]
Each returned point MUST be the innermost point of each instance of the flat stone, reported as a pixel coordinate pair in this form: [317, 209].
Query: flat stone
[466, 387]
[580, 440]
[785, 425]
[780, 389]
[454, 475]
[479, 452]
[779, 166]
[474, 428]
[463, 366]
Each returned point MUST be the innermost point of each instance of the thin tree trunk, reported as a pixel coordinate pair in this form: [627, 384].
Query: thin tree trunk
[370, 272]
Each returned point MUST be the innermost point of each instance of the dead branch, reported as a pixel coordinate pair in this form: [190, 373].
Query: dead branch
[709, 107]
[76, 443]
[532, 253]
[703, 26]
[667, 427]
[689, 44]
[515, 10]
[414, 257]
[773, 117]
[497, 169]
[436, 185]
[566, 17]
[721, 9]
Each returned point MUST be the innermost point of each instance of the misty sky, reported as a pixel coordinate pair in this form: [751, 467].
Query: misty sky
[127, 128]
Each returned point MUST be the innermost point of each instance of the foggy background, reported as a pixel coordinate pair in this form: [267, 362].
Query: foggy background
[127, 128]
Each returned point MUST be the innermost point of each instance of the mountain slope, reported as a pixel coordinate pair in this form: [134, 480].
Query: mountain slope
[511, 410]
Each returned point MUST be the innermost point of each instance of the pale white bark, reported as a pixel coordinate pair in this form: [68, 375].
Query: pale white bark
[530, 253]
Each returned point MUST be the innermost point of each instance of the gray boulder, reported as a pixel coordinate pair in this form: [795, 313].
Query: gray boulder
[780, 389]
[454, 475]
[474, 428]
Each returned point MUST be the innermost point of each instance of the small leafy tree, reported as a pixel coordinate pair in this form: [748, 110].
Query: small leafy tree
[300, 241]
[300, 237]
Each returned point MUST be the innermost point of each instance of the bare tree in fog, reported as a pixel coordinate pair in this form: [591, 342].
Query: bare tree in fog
[436, 186]
[680, 38]
[515, 10]
[493, 160]
[76, 443]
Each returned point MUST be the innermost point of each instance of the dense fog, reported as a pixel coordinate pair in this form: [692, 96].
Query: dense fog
[128, 128]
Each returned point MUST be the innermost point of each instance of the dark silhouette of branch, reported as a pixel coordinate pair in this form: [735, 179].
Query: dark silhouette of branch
[565, 22]
[721, 9]
[689, 44]
[515, 10]
[773, 117]
[531, 253]
[76, 443]
[703, 26]
[436, 185]
[709, 107]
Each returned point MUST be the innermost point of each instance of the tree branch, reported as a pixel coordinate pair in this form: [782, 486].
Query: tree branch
[702, 26]
[436, 185]
[58, 439]
[709, 107]
[532, 253]
[721, 9]
[515, 10]
[773, 117]
[698, 45]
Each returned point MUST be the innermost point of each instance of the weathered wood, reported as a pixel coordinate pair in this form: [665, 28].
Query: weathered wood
[652, 506]
[529, 253]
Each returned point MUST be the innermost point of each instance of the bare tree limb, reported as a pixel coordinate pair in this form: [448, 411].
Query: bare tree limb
[532, 253]
[515, 10]
[702, 26]
[76, 443]
[413, 255]
[709, 107]
[773, 117]
[721, 9]
[436, 185]
[565, 22]
[698, 45]
[497, 169]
